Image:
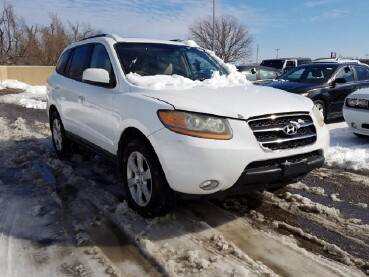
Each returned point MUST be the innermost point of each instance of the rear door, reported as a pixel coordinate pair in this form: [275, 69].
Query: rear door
[340, 91]
[362, 76]
[71, 86]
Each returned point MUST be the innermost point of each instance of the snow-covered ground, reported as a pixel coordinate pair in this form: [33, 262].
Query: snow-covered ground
[31, 97]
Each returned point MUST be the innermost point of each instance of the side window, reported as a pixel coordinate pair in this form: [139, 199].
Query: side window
[345, 73]
[266, 74]
[249, 75]
[63, 60]
[277, 74]
[362, 73]
[201, 64]
[80, 61]
[100, 59]
[290, 64]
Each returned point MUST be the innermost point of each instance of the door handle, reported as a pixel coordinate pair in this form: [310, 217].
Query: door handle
[57, 89]
[81, 99]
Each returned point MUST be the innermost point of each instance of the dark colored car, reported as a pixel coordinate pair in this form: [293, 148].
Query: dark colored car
[285, 64]
[259, 75]
[327, 84]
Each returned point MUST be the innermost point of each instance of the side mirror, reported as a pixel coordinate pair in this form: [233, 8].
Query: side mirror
[253, 70]
[338, 81]
[96, 76]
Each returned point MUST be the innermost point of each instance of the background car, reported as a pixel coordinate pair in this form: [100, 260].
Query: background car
[285, 64]
[356, 112]
[326, 83]
[259, 74]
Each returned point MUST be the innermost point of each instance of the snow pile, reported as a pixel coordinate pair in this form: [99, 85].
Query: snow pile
[158, 82]
[347, 151]
[302, 186]
[178, 82]
[31, 97]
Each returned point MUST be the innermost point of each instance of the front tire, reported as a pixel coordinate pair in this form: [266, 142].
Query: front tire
[360, 135]
[321, 107]
[145, 186]
[61, 143]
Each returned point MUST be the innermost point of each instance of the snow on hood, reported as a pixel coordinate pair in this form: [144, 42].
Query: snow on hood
[233, 102]
[177, 82]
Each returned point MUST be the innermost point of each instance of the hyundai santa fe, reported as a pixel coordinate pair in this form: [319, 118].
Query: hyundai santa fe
[192, 135]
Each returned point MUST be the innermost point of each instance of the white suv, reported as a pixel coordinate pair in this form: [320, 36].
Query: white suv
[175, 118]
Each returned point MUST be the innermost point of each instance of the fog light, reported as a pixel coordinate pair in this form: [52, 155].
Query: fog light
[209, 185]
[353, 125]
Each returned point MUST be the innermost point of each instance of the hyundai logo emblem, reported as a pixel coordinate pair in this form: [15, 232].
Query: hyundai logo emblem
[291, 129]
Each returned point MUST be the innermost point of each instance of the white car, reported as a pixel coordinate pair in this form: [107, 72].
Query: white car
[175, 118]
[356, 112]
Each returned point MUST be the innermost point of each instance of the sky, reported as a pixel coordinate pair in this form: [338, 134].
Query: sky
[298, 28]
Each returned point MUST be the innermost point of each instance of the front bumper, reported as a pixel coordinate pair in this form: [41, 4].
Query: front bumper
[189, 161]
[357, 120]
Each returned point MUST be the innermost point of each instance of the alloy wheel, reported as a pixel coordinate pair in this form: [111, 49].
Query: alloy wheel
[139, 179]
[57, 135]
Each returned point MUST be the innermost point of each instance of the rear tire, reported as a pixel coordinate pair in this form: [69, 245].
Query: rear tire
[62, 145]
[145, 186]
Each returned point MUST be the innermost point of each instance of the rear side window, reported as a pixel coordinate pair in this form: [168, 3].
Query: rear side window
[80, 61]
[362, 73]
[62, 63]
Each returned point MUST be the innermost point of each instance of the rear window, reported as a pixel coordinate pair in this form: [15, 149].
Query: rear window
[273, 63]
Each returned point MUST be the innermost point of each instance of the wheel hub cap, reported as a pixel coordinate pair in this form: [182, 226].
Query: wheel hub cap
[139, 179]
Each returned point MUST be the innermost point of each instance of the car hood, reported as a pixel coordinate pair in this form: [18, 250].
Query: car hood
[360, 93]
[233, 102]
[295, 87]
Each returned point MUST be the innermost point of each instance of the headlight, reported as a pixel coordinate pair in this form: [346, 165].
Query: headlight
[357, 103]
[305, 94]
[319, 116]
[196, 125]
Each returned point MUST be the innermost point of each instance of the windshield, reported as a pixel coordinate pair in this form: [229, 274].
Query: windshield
[273, 63]
[317, 74]
[149, 59]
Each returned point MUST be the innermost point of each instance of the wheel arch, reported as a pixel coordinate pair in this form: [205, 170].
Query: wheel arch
[130, 134]
[325, 101]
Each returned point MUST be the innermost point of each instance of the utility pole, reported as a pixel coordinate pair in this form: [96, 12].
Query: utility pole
[277, 50]
[213, 25]
[257, 53]
[366, 55]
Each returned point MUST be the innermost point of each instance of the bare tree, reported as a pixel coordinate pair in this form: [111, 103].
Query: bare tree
[15, 36]
[232, 39]
[36, 45]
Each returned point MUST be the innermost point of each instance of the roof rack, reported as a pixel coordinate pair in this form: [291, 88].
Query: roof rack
[115, 37]
[177, 40]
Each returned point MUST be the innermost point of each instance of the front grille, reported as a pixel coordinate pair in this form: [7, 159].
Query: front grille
[272, 135]
[280, 161]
